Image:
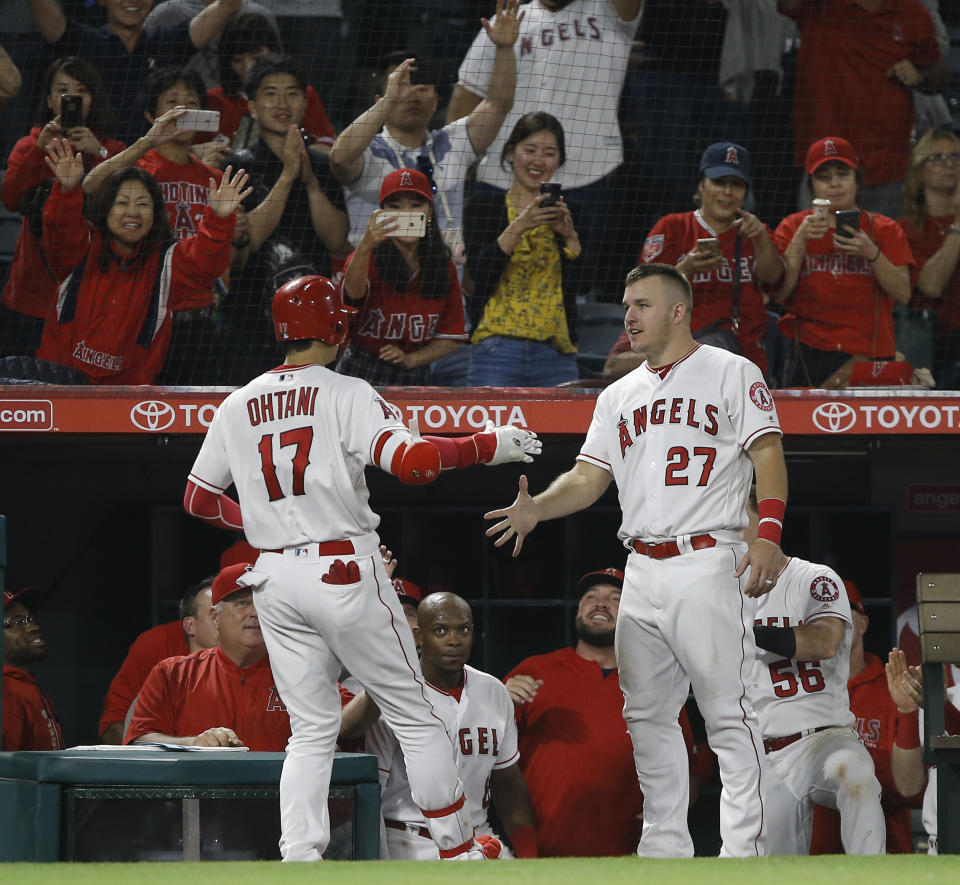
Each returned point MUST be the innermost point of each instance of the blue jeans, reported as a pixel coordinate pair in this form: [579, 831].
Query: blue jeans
[518, 362]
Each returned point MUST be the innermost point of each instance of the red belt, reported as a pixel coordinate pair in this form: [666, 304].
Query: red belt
[666, 549]
[323, 548]
[410, 828]
[773, 744]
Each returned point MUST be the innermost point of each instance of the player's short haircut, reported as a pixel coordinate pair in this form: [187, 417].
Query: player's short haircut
[273, 64]
[246, 33]
[161, 80]
[188, 604]
[666, 271]
[301, 345]
[525, 127]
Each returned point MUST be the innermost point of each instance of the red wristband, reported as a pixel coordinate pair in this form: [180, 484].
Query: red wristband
[524, 841]
[908, 730]
[771, 512]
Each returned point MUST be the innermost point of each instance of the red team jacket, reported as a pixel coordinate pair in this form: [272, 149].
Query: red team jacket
[148, 649]
[29, 718]
[234, 107]
[114, 324]
[675, 235]
[32, 288]
[184, 696]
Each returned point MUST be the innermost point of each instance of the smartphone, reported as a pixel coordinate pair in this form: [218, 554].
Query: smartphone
[553, 189]
[709, 246]
[847, 218]
[71, 111]
[409, 224]
[199, 121]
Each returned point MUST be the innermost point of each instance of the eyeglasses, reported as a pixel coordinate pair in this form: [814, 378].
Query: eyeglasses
[425, 166]
[943, 159]
[20, 621]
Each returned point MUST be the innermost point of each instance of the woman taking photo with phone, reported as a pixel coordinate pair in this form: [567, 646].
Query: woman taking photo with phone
[725, 252]
[73, 105]
[520, 246]
[842, 279]
[410, 306]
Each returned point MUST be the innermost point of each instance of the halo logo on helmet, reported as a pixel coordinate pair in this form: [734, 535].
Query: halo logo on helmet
[310, 307]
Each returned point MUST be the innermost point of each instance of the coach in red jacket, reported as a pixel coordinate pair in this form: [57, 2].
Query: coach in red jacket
[217, 697]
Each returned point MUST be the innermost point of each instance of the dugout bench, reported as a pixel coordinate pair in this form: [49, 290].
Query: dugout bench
[155, 804]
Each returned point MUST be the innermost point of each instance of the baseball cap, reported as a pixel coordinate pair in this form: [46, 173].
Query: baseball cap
[853, 594]
[601, 576]
[405, 180]
[226, 582]
[407, 591]
[239, 552]
[31, 597]
[726, 158]
[828, 149]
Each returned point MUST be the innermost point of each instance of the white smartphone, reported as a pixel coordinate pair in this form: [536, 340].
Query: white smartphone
[409, 224]
[709, 245]
[199, 121]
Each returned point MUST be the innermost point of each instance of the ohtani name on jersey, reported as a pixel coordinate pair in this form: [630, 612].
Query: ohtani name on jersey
[485, 743]
[399, 326]
[281, 404]
[679, 410]
[184, 192]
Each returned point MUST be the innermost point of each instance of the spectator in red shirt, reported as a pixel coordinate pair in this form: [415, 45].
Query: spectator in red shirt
[742, 258]
[245, 40]
[32, 288]
[29, 718]
[124, 273]
[196, 630]
[840, 285]
[218, 697]
[410, 303]
[932, 225]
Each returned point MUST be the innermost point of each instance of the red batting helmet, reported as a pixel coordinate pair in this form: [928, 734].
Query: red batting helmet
[310, 307]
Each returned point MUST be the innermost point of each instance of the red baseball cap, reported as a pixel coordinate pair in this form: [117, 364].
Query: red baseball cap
[602, 576]
[31, 597]
[239, 552]
[853, 594]
[405, 181]
[225, 583]
[407, 591]
[828, 149]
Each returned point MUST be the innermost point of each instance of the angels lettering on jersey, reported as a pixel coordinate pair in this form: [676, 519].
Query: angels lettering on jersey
[586, 28]
[413, 327]
[678, 410]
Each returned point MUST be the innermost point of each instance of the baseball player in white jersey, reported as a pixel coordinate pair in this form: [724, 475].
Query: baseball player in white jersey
[295, 442]
[681, 435]
[479, 717]
[803, 633]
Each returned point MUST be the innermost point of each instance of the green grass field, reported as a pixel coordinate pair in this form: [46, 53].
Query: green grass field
[835, 870]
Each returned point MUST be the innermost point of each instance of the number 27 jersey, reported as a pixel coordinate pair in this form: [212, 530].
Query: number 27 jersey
[675, 442]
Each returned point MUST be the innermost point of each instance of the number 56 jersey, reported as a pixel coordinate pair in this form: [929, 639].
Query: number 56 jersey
[295, 442]
[675, 441]
[790, 695]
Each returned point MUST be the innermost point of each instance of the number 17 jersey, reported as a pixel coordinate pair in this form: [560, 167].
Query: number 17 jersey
[295, 442]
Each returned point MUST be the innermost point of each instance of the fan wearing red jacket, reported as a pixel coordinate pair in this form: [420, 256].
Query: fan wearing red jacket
[123, 274]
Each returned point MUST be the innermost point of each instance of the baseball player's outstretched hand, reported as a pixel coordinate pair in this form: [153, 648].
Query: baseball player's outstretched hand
[766, 561]
[513, 444]
[520, 518]
[905, 683]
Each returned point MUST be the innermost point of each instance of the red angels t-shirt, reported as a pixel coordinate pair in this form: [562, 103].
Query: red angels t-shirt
[925, 243]
[675, 235]
[406, 320]
[838, 303]
[185, 189]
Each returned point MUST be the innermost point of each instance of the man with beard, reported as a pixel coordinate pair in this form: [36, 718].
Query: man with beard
[575, 753]
[29, 719]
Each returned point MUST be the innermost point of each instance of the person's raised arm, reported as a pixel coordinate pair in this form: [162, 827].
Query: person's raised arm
[905, 685]
[263, 220]
[355, 277]
[10, 80]
[49, 18]
[941, 266]
[207, 24]
[570, 492]
[330, 224]
[811, 228]
[462, 103]
[764, 556]
[487, 117]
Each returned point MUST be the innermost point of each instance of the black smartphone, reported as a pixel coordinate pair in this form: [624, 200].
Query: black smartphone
[71, 111]
[847, 218]
[553, 189]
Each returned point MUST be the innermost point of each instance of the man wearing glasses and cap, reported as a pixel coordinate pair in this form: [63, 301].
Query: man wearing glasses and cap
[29, 718]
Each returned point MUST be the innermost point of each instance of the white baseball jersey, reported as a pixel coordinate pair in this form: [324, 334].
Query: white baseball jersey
[570, 63]
[295, 442]
[484, 733]
[791, 695]
[675, 441]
